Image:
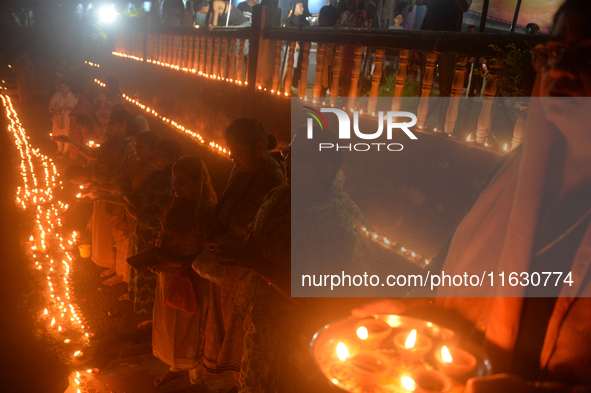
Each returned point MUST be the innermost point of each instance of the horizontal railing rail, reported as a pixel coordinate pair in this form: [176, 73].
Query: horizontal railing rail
[425, 41]
[227, 32]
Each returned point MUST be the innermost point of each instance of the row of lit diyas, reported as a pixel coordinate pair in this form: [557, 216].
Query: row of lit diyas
[272, 91]
[79, 382]
[184, 69]
[49, 247]
[389, 244]
[215, 146]
[90, 63]
[200, 73]
[373, 360]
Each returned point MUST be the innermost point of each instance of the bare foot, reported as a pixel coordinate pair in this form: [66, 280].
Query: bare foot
[145, 325]
[124, 297]
[113, 281]
[108, 272]
[161, 379]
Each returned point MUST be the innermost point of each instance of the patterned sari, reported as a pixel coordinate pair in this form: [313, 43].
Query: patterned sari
[114, 160]
[150, 200]
[269, 331]
[236, 209]
[176, 335]
[277, 331]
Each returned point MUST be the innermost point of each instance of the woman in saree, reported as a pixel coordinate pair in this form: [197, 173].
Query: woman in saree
[114, 159]
[532, 217]
[147, 204]
[253, 176]
[275, 323]
[60, 106]
[83, 108]
[178, 326]
[124, 224]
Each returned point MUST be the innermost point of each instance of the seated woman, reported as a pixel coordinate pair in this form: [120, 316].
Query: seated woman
[533, 216]
[176, 338]
[253, 176]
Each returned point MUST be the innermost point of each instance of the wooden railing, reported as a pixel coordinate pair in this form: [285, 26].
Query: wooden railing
[220, 54]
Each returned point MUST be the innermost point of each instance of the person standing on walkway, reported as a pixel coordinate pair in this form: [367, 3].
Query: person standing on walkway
[60, 106]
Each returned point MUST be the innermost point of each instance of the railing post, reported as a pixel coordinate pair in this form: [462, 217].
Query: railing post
[169, 49]
[400, 79]
[202, 54]
[173, 44]
[289, 75]
[320, 56]
[151, 46]
[426, 88]
[490, 91]
[175, 50]
[261, 59]
[185, 57]
[216, 57]
[224, 59]
[232, 56]
[357, 56]
[336, 73]
[146, 41]
[456, 91]
[192, 53]
[161, 47]
[178, 43]
[305, 53]
[155, 48]
[375, 80]
[208, 52]
[240, 66]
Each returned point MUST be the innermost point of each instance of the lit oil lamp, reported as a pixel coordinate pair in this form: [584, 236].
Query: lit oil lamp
[413, 346]
[93, 371]
[372, 331]
[455, 362]
[408, 383]
[426, 381]
[346, 349]
[369, 368]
